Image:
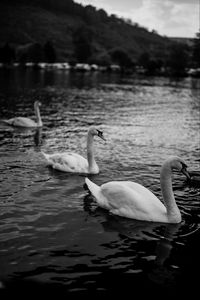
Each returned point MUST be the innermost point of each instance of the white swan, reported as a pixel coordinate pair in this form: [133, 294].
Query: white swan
[132, 200]
[75, 163]
[26, 122]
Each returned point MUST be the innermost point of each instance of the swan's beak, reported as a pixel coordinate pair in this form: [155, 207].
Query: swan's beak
[100, 134]
[185, 172]
[103, 138]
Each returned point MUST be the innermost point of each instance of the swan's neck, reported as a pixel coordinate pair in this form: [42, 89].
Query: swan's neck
[92, 165]
[38, 117]
[173, 212]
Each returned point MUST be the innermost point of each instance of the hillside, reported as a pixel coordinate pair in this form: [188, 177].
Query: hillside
[69, 25]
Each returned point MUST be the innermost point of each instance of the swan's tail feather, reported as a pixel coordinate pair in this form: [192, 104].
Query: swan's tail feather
[8, 122]
[93, 188]
[46, 156]
[96, 192]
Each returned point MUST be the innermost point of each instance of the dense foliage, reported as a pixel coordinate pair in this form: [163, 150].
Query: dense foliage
[63, 30]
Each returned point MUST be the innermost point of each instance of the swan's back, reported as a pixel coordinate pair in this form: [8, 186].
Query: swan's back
[21, 122]
[67, 162]
[131, 200]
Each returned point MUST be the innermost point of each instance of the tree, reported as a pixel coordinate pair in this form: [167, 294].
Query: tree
[103, 15]
[144, 60]
[91, 17]
[121, 57]
[178, 59]
[31, 52]
[35, 53]
[196, 51]
[150, 65]
[49, 52]
[102, 59]
[7, 54]
[82, 39]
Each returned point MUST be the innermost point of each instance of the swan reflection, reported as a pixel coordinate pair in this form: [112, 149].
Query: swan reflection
[38, 137]
[163, 273]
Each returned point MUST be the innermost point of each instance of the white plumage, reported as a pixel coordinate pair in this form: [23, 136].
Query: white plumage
[67, 162]
[27, 122]
[132, 200]
[73, 162]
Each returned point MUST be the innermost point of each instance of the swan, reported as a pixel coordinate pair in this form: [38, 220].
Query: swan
[132, 200]
[26, 122]
[75, 163]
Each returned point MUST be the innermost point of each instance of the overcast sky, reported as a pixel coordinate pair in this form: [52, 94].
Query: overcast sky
[175, 18]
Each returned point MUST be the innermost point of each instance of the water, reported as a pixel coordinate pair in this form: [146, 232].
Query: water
[53, 237]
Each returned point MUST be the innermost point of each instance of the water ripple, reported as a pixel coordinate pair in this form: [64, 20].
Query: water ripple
[61, 236]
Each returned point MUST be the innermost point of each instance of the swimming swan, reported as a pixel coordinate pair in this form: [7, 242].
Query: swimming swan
[75, 163]
[132, 200]
[26, 122]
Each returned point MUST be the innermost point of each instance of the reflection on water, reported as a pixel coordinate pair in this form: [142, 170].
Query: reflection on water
[161, 274]
[38, 137]
[52, 233]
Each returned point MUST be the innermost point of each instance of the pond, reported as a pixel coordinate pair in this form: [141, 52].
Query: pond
[53, 236]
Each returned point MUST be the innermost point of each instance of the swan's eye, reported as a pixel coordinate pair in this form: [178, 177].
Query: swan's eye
[184, 166]
[100, 133]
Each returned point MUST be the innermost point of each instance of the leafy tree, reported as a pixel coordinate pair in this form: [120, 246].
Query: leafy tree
[102, 59]
[90, 15]
[7, 54]
[32, 52]
[121, 57]
[103, 15]
[49, 52]
[150, 65]
[144, 60]
[82, 39]
[35, 53]
[196, 51]
[178, 59]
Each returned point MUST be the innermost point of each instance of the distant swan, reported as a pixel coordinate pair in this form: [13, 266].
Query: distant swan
[132, 200]
[26, 122]
[75, 163]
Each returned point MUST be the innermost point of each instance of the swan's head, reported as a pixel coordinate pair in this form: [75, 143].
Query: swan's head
[177, 163]
[93, 131]
[37, 103]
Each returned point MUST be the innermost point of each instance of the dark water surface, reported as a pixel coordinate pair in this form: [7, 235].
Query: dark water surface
[53, 237]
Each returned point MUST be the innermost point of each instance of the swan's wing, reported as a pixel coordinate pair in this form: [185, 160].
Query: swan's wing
[21, 122]
[132, 200]
[68, 162]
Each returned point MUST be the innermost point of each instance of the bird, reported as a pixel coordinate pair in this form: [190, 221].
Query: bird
[75, 163]
[27, 122]
[133, 200]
